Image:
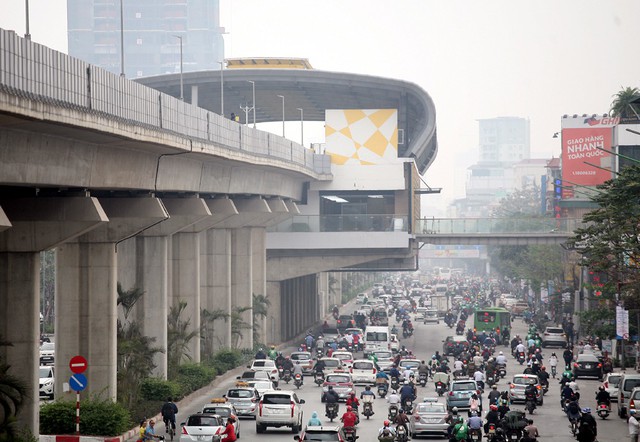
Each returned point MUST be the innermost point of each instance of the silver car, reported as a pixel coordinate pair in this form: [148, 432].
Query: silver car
[245, 399]
[518, 385]
[429, 418]
[611, 382]
[554, 336]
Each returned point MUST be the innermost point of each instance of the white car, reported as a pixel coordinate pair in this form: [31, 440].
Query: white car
[46, 381]
[331, 365]
[279, 408]
[346, 357]
[266, 365]
[200, 427]
[363, 371]
[261, 386]
[222, 408]
[47, 353]
[431, 316]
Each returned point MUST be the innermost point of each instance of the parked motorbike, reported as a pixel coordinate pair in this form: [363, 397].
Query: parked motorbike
[331, 411]
[603, 410]
[297, 380]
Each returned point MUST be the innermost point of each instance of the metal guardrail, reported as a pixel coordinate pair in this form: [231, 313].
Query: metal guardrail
[342, 223]
[33, 71]
[461, 226]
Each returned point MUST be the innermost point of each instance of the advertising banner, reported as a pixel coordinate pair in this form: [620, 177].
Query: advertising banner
[582, 142]
[622, 323]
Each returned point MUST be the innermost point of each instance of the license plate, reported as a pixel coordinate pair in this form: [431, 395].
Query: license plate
[203, 437]
[432, 421]
[277, 410]
[514, 437]
[587, 366]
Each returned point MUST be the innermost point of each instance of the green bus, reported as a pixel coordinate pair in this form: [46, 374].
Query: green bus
[491, 319]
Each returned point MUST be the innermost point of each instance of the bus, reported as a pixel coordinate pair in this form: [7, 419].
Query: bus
[491, 319]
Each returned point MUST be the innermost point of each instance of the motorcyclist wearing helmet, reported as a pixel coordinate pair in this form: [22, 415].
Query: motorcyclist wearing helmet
[543, 376]
[273, 354]
[349, 419]
[330, 396]
[386, 433]
[492, 417]
[494, 395]
[501, 359]
[587, 426]
[353, 402]
[603, 396]
[475, 423]
[407, 392]
[402, 420]
[260, 354]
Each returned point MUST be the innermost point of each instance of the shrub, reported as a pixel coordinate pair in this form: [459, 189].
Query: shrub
[159, 389]
[191, 377]
[98, 417]
[227, 359]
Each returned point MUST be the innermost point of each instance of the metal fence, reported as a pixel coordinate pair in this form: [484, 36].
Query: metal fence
[434, 226]
[342, 223]
[42, 74]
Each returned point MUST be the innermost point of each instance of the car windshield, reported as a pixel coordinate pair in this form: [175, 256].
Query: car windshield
[630, 384]
[555, 330]
[203, 421]
[220, 411]
[301, 357]
[614, 380]
[45, 372]
[409, 364]
[383, 354]
[331, 363]
[342, 356]
[338, 379]
[463, 386]
[240, 394]
[48, 346]
[276, 399]
[264, 363]
[363, 365]
[331, 331]
[587, 358]
[321, 435]
[525, 381]
[261, 385]
[431, 408]
[376, 336]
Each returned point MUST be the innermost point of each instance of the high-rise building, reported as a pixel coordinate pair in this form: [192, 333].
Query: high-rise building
[154, 31]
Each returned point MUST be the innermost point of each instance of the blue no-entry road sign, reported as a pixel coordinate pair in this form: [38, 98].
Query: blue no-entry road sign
[78, 382]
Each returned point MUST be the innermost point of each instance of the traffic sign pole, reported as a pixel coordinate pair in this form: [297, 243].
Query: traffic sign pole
[78, 413]
[78, 381]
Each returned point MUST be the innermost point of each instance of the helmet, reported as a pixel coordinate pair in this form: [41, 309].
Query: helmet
[273, 347]
[493, 407]
[386, 423]
[586, 410]
[454, 409]
[349, 408]
[401, 410]
[601, 388]
[543, 368]
[406, 382]
[632, 411]
[500, 353]
[495, 387]
[330, 387]
[474, 413]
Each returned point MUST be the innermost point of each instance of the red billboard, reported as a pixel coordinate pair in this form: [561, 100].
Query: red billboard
[586, 140]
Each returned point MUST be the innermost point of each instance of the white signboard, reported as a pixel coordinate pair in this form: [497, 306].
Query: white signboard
[622, 323]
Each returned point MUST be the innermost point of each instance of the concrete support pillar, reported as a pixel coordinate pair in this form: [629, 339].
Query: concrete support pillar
[194, 94]
[20, 301]
[216, 286]
[323, 294]
[242, 282]
[259, 275]
[185, 270]
[274, 316]
[151, 268]
[86, 325]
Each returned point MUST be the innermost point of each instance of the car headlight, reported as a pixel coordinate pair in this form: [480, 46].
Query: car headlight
[47, 382]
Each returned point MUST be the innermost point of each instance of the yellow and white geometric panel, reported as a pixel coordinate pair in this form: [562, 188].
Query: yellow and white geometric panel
[361, 136]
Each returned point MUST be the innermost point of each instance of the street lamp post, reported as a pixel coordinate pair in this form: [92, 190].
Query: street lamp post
[301, 125]
[27, 34]
[122, 74]
[253, 101]
[221, 63]
[179, 37]
[282, 96]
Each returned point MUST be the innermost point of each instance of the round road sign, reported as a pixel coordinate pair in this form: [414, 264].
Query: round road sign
[78, 364]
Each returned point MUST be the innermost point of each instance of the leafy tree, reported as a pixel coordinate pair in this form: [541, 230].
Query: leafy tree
[260, 310]
[207, 331]
[135, 351]
[238, 325]
[610, 241]
[622, 105]
[178, 338]
[13, 392]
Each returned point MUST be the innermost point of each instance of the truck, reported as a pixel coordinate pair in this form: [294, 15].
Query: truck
[440, 303]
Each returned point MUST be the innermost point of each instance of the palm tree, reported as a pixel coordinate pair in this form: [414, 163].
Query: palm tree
[238, 325]
[13, 392]
[207, 332]
[127, 299]
[623, 106]
[178, 338]
[261, 306]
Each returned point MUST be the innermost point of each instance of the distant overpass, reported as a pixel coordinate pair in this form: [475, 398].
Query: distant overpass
[495, 231]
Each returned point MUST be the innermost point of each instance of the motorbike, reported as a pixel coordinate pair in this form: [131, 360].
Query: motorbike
[280, 372]
[491, 430]
[382, 390]
[349, 434]
[406, 332]
[474, 435]
[603, 410]
[331, 411]
[521, 357]
[502, 371]
[318, 378]
[393, 412]
[422, 379]
[286, 376]
[401, 434]
[367, 409]
[554, 371]
[530, 405]
[459, 331]
[395, 383]
[408, 406]
[440, 388]
[297, 380]
[491, 380]
[545, 386]
[513, 435]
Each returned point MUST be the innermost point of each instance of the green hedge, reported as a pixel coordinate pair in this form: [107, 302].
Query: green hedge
[192, 377]
[159, 389]
[98, 417]
[227, 359]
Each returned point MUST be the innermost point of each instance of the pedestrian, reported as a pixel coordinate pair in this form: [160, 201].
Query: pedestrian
[633, 426]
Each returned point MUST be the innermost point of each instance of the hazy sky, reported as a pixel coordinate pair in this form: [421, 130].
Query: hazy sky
[476, 58]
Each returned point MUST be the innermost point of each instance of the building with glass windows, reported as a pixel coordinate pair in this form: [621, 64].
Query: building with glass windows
[154, 31]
